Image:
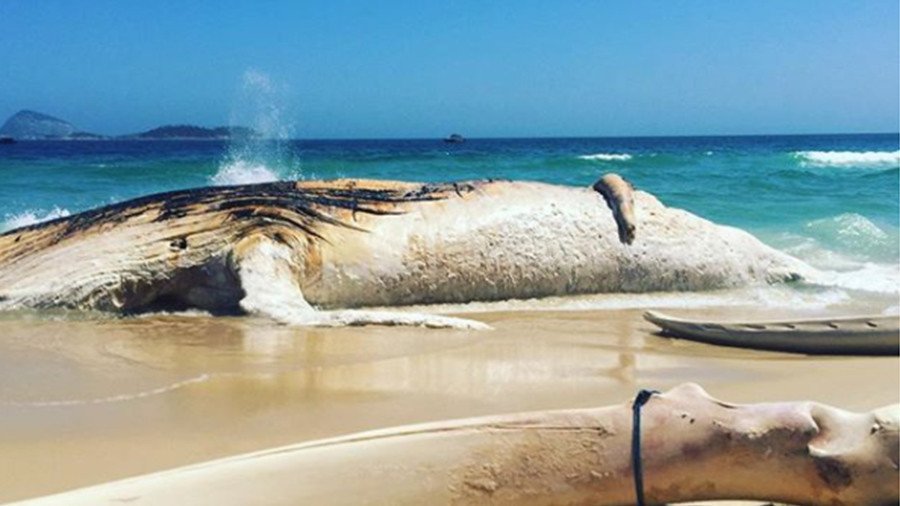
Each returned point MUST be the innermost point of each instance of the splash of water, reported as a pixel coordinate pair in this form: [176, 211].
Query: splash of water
[235, 172]
[31, 216]
[261, 104]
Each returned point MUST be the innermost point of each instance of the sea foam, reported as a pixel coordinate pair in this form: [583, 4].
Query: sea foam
[849, 158]
[32, 216]
[607, 157]
[851, 231]
[849, 251]
[869, 277]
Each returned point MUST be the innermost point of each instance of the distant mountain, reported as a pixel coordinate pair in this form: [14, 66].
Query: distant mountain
[196, 132]
[34, 125]
[31, 125]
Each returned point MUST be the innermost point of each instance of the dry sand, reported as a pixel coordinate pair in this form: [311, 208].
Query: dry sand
[85, 402]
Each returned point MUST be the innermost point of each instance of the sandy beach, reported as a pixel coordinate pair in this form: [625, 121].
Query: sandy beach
[86, 402]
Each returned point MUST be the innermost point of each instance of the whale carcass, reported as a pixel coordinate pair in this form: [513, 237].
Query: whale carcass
[282, 249]
[693, 447]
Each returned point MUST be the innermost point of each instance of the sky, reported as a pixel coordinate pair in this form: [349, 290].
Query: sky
[363, 69]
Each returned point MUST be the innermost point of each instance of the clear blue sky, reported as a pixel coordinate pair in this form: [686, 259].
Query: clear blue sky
[482, 68]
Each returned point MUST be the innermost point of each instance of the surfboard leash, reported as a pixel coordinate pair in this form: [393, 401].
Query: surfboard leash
[642, 397]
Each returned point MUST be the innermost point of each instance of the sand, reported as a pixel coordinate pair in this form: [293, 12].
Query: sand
[85, 402]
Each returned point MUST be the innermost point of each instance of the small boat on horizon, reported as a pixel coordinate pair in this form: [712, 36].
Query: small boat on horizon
[7, 140]
[454, 139]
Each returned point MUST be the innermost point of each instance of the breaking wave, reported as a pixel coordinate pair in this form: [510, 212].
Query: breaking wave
[31, 216]
[867, 277]
[849, 158]
[854, 233]
[849, 251]
[607, 157]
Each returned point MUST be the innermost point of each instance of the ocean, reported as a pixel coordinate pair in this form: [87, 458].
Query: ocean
[830, 200]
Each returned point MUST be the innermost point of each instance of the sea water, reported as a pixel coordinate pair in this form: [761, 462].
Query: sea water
[830, 200]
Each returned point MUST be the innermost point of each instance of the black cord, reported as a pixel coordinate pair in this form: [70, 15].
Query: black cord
[642, 397]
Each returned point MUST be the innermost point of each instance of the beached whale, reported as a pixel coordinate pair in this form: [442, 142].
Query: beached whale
[293, 250]
[692, 447]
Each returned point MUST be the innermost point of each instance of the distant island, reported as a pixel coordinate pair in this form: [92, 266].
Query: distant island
[34, 125]
[31, 125]
[195, 132]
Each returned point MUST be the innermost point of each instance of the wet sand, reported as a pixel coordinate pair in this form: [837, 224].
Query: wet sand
[85, 402]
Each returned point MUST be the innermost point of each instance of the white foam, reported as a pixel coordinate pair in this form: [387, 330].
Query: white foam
[868, 277]
[850, 226]
[359, 317]
[242, 172]
[851, 267]
[31, 216]
[607, 157]
[853, 233]
[849, 158]
[810, 251]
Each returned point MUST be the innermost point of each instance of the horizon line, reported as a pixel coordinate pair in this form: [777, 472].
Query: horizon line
[655, 136]
[129, 137]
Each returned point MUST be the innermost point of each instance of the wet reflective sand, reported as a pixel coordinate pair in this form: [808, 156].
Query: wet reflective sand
[83, 402]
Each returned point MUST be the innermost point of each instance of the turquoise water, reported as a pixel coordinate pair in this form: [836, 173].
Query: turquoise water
[833, 201]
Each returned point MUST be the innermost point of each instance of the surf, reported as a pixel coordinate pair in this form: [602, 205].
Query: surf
[849, 158]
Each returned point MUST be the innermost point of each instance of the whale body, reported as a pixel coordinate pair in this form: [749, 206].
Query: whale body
[287, 249]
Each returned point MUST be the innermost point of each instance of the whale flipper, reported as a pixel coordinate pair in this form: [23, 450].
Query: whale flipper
[619, 196]
[271, 288]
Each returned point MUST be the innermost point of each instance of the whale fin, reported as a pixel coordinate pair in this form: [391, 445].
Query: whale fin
[271, 289]
[619, 196]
